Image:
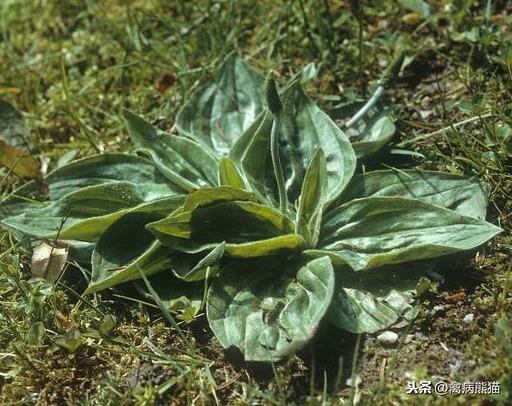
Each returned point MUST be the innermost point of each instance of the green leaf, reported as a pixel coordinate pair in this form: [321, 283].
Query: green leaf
[305, 127]
[206, 196]
[365, 302]
[280, 245]
[229, 175]
[373, 136]
[307, 73]
[182, 160]
[233, 221]
[80, 251]
[105, 168]
[35, 334]
[249, 229]
[312, 200]
[239, 148]
[107, 324]
[85, 214]
[252, 155]
[118, 256]
[195, 270]
[375, 231]
[70, 340]
[176, 295]
[89, 171]
[371, 132]
[419, 6]
[269, 310]
[221, 110]
[466, 196]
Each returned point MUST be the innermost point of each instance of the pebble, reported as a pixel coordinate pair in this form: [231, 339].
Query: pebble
[388, 337]
[468, 318]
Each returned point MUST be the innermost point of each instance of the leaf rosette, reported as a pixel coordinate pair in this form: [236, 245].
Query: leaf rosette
[261, 206]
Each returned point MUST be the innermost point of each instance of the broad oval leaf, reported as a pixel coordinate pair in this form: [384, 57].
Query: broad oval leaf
[305, 128]
[269, 310]
[365, 302]
[248, 229]
[119, 257]
[371, 132]
[221, 110]
[233, 221]
[375, 231]
[105, 168]
[466, 196]
[85, 214]
[183, 161]
[375, 136]
[89, 171]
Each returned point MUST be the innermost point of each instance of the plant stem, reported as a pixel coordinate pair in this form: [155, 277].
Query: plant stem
[307, 29]
[360, 44]
[276, 163]
[368, 105]
[386, 80]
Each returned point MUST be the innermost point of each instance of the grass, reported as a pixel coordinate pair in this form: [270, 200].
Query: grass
[72, 69]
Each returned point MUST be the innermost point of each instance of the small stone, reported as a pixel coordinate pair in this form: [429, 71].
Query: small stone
[388, 337]
[436, 309]
[468, 318]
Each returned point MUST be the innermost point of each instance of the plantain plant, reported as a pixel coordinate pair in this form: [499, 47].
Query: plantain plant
[257, 201]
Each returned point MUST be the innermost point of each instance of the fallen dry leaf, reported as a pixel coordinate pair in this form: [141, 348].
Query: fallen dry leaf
[19, 161]
[48, 262]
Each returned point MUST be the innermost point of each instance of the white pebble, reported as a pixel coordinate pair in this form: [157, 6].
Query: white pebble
[468, 318]
[388, 337]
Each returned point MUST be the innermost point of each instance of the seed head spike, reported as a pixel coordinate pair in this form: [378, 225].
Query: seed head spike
[273, 99]
[391, 73]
